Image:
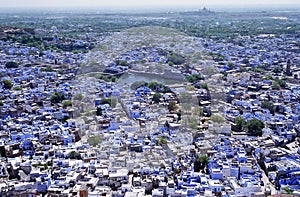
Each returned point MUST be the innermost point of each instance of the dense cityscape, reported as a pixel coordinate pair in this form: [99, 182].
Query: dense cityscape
[177, 103]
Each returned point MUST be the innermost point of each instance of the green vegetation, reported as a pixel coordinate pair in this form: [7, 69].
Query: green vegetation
[175, 59]
[259, 70]
[104, 77]
[57, 97]
[280, 82]
[78, 97]
[268, 105]
[192, 122]
[240, 123]
[67, 103]
[217, 57]
[161, 141]
[243, 69]
[11, 65]
[254, 127]
[172, 106]
[43, 166]
[156, 97]
[204, 86]
[47, 69]
[158, 87]
[194, 78]
[217, 118]
[18, 88]
[268, 77]
[112, 101]
[275, 85]
[155, 86]
[200, 162]
[7, 84]
[277, 69]
[287, 190]
[74, 155]
[94, 140]
[122, 62]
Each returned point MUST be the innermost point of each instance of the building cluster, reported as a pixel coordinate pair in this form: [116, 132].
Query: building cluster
[136, 142]
[261, 75]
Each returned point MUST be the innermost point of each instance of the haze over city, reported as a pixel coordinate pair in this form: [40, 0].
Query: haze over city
[137, 3]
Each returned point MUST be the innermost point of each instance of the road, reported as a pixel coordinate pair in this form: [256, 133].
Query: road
[266, 181]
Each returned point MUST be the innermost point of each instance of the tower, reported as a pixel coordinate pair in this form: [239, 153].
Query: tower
[288, 68]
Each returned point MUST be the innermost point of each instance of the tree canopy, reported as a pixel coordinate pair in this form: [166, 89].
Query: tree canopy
[240, 123]
[156, 97]
[268, 105]
[57, 97]
[200, 162]
[172, 106]
[11, 65]
[7, 84]
[254, 127]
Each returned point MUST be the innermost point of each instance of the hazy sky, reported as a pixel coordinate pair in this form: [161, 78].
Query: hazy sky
[141, 3]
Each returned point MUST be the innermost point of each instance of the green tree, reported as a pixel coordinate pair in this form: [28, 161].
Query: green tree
[243, 69]
[161, 141]
[11, 65]
[254, 127]
[194, 78]
[74, 155]
[268, 77]
[122, 62]
[268, 105]
[112, 101]
[280, 82]
[277, 69]
[240, 123]
[156, 97]
[18, 88]
[155, 86]
[67, 103]
[175, 59]
[204, 86]
[57, 97]
[275, 85]
[200, 162]
[172, 106]
[47, 69]
[7, 84]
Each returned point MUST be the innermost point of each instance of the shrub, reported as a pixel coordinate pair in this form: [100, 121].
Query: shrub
[11, 65]
[7, 84]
